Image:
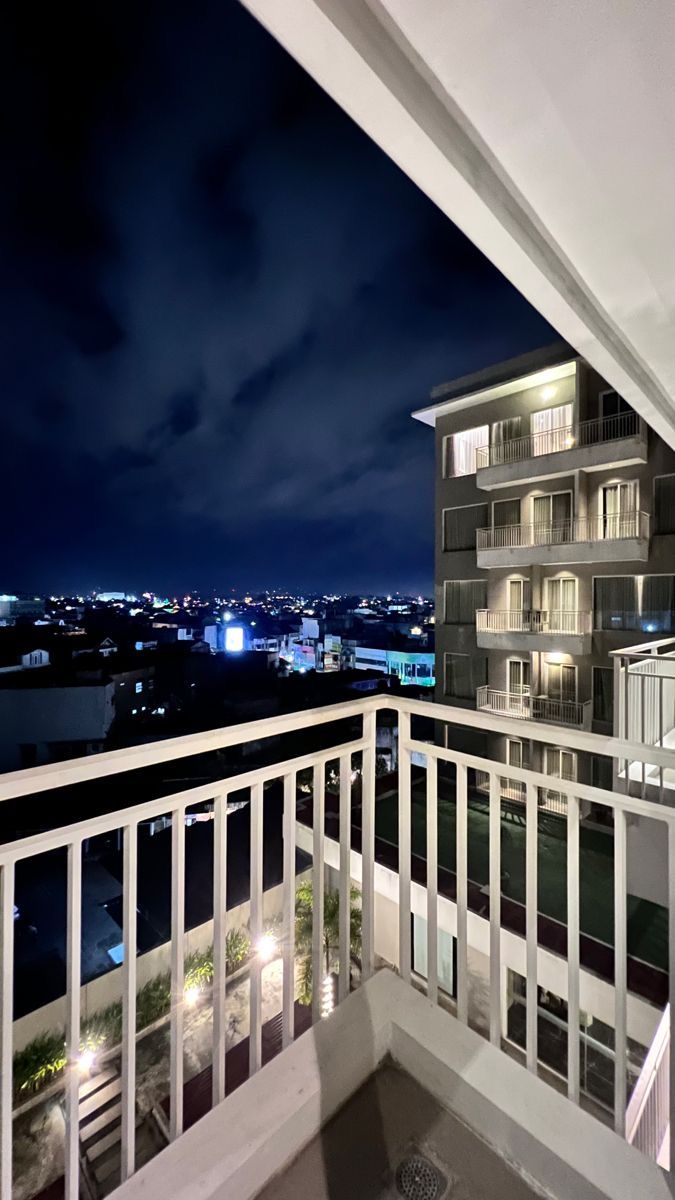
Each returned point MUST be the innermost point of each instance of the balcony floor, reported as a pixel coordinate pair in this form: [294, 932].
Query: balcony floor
[390, 1117]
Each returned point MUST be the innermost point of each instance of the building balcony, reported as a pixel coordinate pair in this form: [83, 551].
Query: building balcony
[599, 445]
[535, 708]
[534, 629]
[621, 538]
[178, 1069]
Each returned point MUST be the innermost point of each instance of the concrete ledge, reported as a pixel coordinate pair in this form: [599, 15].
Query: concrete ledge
[600, 456]
[561, 553]
[253, 1135]
[570, 643]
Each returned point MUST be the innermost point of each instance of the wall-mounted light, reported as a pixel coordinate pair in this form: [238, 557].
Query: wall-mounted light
[327, 996]
[86, 1061]
[191, 995]
[266, 947]
[548, 392]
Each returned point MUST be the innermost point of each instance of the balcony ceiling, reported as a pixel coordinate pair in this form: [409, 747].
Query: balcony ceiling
[545, 131]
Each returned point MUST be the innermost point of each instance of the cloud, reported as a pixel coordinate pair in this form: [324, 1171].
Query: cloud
[227, 319]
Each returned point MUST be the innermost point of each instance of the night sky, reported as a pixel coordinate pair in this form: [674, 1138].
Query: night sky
[221, 302]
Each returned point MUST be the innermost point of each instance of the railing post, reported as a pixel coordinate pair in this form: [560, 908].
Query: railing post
[255, 926]
[432, 877]
[219, 947]
[620, 970]
[495, 909]
[73, 985]
[671, 988]
[318, 870]
[461, 870]
[404, 795]
[368, 775]
[129, 930]
[6, 1026]
[177, 970]
[573, 948]
[288, 919]
[531, 919]
[344, 922]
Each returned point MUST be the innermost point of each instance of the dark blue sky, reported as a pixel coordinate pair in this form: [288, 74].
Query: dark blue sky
[221, 303]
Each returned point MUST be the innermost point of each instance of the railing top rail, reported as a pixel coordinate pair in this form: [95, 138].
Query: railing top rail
[631, 421]
[39, 779]
[646, 649]
[608, 519]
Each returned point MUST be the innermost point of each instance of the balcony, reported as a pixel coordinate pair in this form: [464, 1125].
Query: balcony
[534, 629]
[535, 708]
[619, 441]
[620, 538]
[217, 1093]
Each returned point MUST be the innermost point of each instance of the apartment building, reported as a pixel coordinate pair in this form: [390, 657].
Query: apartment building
[555, 545]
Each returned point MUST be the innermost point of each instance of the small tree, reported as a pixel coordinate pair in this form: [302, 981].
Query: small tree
[304, 924]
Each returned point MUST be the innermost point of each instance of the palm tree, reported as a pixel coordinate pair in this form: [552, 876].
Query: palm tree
[304, 923]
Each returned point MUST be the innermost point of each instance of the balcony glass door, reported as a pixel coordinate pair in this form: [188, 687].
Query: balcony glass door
[519, 686]
[519, 603]
[506, 523]
[552, 518]
[619, 504]
[552, 430]
[561, 595]
[561, 681]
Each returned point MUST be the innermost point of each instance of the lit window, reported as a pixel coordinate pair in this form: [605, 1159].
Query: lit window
[461, 450]
[139, 687]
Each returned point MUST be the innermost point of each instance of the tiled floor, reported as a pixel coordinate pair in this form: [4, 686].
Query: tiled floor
[391, 1117]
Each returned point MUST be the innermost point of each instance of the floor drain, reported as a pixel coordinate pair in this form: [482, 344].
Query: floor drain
[418, 1179]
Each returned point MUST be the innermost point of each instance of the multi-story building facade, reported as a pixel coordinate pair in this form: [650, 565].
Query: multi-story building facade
[555, 545]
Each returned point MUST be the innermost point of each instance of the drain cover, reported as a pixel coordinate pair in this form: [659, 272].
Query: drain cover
[418, 1179]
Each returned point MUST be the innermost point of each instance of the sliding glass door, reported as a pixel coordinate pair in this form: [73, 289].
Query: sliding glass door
[619, 505]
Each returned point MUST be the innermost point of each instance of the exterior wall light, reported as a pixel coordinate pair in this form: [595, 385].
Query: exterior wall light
[266, 947]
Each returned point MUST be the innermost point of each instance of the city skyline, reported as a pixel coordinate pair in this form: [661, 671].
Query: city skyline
[223, 302]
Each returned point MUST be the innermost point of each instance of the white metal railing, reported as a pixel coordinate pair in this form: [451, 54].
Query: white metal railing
[72, 838]
[555, 441]
[536, 620]
[555, 533]
[648, 1112]
[525, 707]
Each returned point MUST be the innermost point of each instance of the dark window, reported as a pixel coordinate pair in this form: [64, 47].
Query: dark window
[603, 694]
[664, 504]
[464, 674]
[613, 405]
[615, 603]
[601, 772]
[462, 598]
[460, 525]
[506, 512]
[658, 604]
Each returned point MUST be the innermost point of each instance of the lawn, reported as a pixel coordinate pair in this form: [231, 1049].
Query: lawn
[647, 922]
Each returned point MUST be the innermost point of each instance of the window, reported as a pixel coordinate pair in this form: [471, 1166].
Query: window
[462, 598]
[664, 504]
[657, 607]
[552, 518]
[619, 504]
[460, 525]
[561, 681]
[464, 674]
[552, 430]
[505, 512]
[603, 694]
[460, 450]
[519, 676]
[615, 602]
[613, 405]
[518, 591]
[561, 764]
[138, 688]
[514, 752]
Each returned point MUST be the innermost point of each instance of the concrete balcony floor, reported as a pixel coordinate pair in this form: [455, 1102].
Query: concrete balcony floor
[389, 1119]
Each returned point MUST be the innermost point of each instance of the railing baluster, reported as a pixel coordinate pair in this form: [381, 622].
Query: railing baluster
[531, 931]
[620, 970]
[318, 871]
[345, 876]
[671, 989]
[288, 911]
[177, 970]
[73, 985]
[368, 847]
[573, 948]
[495, 910]
[129, 935]
[6, 1026]
[256, 925]
[462, 874]
[432, 877]
[404, 790]
[219, 947]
